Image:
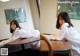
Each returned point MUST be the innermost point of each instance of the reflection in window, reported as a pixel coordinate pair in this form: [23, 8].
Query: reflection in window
[70, 6]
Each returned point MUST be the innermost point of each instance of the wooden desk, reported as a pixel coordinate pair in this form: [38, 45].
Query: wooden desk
[59, 48]
[57, 45]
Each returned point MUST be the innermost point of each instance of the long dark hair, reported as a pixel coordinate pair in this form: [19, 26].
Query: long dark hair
[65, 17]
[16, 23]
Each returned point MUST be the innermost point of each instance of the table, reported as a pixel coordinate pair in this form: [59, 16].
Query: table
[58, 46]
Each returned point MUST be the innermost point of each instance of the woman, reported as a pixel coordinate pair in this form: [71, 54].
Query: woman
[68, 32]
[19, 33]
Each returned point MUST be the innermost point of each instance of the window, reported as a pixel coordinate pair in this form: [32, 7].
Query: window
[70, 6]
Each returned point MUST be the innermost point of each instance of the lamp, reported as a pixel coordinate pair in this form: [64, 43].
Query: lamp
[4, 0]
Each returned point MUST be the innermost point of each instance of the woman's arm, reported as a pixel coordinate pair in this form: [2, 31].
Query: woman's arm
[24, 41]
[63, 32]
[15, 36]
[4, 42]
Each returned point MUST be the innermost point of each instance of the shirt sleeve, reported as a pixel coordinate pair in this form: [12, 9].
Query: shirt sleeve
[17, 34]
[36, 34]
[13, 38]
[63, 32]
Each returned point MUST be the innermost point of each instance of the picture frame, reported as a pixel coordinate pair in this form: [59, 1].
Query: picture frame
[18, 14]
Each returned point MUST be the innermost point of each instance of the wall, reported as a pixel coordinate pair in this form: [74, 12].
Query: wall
[34, 12]
[4, 28]
[48, 9]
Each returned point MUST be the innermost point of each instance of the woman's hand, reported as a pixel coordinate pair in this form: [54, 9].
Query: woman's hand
[2, 43]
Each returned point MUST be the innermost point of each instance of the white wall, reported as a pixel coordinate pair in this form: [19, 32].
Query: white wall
[35, 14]
[4, 28]
[48, 10]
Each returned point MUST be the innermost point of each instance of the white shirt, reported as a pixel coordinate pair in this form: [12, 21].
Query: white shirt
[71, 35]
[21, 33]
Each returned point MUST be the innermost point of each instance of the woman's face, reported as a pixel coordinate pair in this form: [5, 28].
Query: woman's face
[13, 26]
[61, 20]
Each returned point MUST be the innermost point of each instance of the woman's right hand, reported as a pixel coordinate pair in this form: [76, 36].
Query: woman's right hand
[2, 43]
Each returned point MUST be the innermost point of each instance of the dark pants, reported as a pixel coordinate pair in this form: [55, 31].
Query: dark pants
[26, 52]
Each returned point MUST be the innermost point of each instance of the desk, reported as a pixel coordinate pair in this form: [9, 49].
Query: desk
[58, 46]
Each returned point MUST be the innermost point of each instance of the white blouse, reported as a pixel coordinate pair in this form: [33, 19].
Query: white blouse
[21, 33]
[71, 35]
